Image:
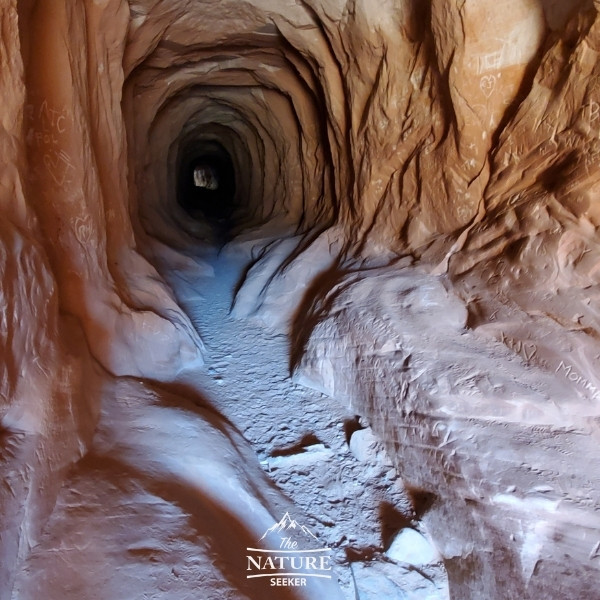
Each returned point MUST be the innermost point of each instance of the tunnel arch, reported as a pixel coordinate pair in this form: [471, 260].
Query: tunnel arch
[319, 105]
[264, 108]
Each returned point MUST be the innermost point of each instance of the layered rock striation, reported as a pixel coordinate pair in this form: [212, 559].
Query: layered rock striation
[426, 173]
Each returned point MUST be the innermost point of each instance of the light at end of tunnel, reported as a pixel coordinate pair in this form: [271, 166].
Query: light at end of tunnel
[206, 177]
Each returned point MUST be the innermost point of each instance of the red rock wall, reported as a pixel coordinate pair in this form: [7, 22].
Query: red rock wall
[73, 286]
[461, 134]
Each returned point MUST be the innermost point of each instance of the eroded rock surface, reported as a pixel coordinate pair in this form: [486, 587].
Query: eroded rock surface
[423, 177]
[492, 443]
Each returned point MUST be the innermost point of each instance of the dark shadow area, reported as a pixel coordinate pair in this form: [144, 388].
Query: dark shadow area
[351, 426]
[308, 439]
[317, 300]
[366, 554]
[392, 521]
[111, 473]
[422, 500]
[554, 177]
[206, 187]
[207, 520]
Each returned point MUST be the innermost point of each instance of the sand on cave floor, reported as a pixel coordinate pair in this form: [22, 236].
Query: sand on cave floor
[171, 495]
[349, 494]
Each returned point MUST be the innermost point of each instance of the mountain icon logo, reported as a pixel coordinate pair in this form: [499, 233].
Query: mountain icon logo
[288, 525]
[286, 559]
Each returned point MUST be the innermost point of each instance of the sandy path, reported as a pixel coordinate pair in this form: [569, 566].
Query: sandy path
[170, 495]
[301, 437]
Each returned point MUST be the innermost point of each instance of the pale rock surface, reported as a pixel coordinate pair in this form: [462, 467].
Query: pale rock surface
[363, 444]
[141, 516]
[412, 547]
[301, 437]
[283, 275]
[400, 583]
[490, 443]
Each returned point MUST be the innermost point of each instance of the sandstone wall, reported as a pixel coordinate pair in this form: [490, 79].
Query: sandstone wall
[73, 286]
[45, 419]
[462, 136]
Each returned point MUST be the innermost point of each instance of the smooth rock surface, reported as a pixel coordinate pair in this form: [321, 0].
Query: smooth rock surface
[411, 547]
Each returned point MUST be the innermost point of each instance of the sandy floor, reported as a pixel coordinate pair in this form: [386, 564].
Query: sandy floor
[354, 501]
[171, 495]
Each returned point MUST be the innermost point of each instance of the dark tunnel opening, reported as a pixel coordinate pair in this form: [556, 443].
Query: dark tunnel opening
[206, 186]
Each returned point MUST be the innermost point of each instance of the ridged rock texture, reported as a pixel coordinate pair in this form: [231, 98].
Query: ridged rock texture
[427, 174]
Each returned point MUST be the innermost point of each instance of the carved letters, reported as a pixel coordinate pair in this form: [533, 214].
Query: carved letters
[50, 126]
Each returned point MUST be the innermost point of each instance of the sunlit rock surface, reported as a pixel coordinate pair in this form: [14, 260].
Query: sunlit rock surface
[490, 443]
[414, 188]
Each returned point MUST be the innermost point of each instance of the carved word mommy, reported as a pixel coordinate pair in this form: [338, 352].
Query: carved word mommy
[577, 379]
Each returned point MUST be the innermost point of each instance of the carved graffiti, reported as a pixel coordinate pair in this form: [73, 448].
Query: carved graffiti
[58, 163]
[464, 212]
[526, 350]
[579, 380]
[49, 127]
[487, 84]
[490, 62]
[593, 111]
[52, 118]
[84, 230]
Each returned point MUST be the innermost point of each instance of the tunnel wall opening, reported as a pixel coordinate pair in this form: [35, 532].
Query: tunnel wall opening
[261, 103]
[206, 185]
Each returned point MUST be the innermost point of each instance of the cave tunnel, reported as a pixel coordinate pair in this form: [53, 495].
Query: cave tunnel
[291, 278]
[206, 186]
